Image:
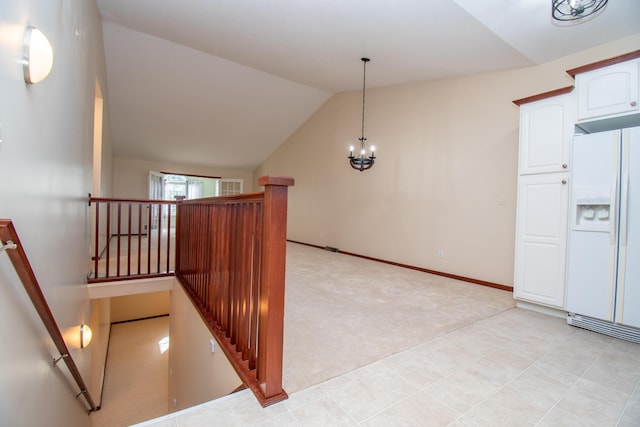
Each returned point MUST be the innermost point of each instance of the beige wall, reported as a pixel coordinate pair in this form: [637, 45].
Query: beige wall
[140, 306]
[46, 160]
[131, 176]
[195, 374]
[445, 177]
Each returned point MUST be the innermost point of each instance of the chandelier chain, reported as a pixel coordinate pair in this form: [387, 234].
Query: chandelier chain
[364, 86]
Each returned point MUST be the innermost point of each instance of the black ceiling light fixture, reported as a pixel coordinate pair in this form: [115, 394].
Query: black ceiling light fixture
[571, 10]
[361, 162]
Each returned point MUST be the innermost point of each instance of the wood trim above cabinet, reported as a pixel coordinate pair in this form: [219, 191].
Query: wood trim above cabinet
[543, 95]
[604, 63]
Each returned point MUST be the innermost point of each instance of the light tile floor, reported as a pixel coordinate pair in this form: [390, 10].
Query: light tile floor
[518, 368]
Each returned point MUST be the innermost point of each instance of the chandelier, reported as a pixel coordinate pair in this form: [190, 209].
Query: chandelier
[571, 10]
[361, 162]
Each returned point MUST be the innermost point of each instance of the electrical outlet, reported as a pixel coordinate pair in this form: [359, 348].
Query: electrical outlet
[440, 253]
[212, 345]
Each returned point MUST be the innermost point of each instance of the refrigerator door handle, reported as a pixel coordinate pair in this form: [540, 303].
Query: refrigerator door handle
[612, 209]
[624, 202]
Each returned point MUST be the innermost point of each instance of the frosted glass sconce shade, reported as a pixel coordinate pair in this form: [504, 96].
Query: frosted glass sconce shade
[37, 56]
[85, 335]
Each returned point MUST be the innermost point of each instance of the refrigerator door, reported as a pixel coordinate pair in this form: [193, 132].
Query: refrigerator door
[592, 255]
[628, 303]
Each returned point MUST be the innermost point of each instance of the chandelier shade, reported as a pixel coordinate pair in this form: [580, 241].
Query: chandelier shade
[361, 162]
[571, 10]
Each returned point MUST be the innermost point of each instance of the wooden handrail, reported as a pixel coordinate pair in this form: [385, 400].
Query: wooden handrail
[28, 278]
[230, 259]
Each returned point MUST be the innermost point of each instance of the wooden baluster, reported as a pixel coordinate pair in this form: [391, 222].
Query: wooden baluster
[119, 233]
[176, 258]
[160, 212]
[139, 235]
[216, 259]
[255, 284]
[204, 254]
[96, 258]
[224, 294]
[150, 208]
[168, 237]
[233, 274]
[108, 237]
[129, 241]
[244, 281]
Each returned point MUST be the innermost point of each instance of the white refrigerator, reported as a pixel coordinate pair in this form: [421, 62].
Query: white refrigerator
[603, 271]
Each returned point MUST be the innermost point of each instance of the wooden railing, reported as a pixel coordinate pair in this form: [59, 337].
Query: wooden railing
[230, 259]
[132, 239]
[11, 243]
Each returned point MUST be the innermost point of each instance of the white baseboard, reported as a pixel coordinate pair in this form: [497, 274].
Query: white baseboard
[556, 312]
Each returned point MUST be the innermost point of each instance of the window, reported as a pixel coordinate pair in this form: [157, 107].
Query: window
[229, 187]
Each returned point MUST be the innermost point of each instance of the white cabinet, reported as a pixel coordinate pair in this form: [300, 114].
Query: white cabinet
[546, 132]
[608, 91]
[541, 238]
[605, 97]
[546, 129]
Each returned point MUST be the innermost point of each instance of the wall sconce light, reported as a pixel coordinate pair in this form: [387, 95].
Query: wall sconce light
[37, 56]
[85, 335]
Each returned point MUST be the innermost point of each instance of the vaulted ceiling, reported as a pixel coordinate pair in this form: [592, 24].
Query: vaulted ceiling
[224, 82]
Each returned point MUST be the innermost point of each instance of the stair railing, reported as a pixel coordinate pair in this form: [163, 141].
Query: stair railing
[230, 259]
[132, 239]
[10, 242]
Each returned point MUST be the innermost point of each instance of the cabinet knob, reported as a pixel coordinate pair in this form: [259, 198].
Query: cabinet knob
[564, 181]
[564, 166]
[634, 103]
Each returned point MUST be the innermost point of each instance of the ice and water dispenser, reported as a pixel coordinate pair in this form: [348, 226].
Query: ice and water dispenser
[592, 208]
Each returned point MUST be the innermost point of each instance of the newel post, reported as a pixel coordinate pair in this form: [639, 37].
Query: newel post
[271, 306]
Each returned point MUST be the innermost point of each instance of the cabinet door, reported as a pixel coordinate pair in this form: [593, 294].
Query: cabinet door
[608, 91]
[546, 128]
[541, 238]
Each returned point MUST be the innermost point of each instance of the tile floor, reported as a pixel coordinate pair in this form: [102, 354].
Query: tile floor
[517, 368]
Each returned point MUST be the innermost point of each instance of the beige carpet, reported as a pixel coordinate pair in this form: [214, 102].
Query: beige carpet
[136, 385]
[342, 312]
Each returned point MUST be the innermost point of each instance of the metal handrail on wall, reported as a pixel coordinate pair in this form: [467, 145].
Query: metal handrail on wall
[10, 242]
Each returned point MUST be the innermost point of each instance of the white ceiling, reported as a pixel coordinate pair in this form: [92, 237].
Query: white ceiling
[224, 82]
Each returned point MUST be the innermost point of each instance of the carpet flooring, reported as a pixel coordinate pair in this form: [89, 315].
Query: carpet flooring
[136, 384]
[344, 312]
